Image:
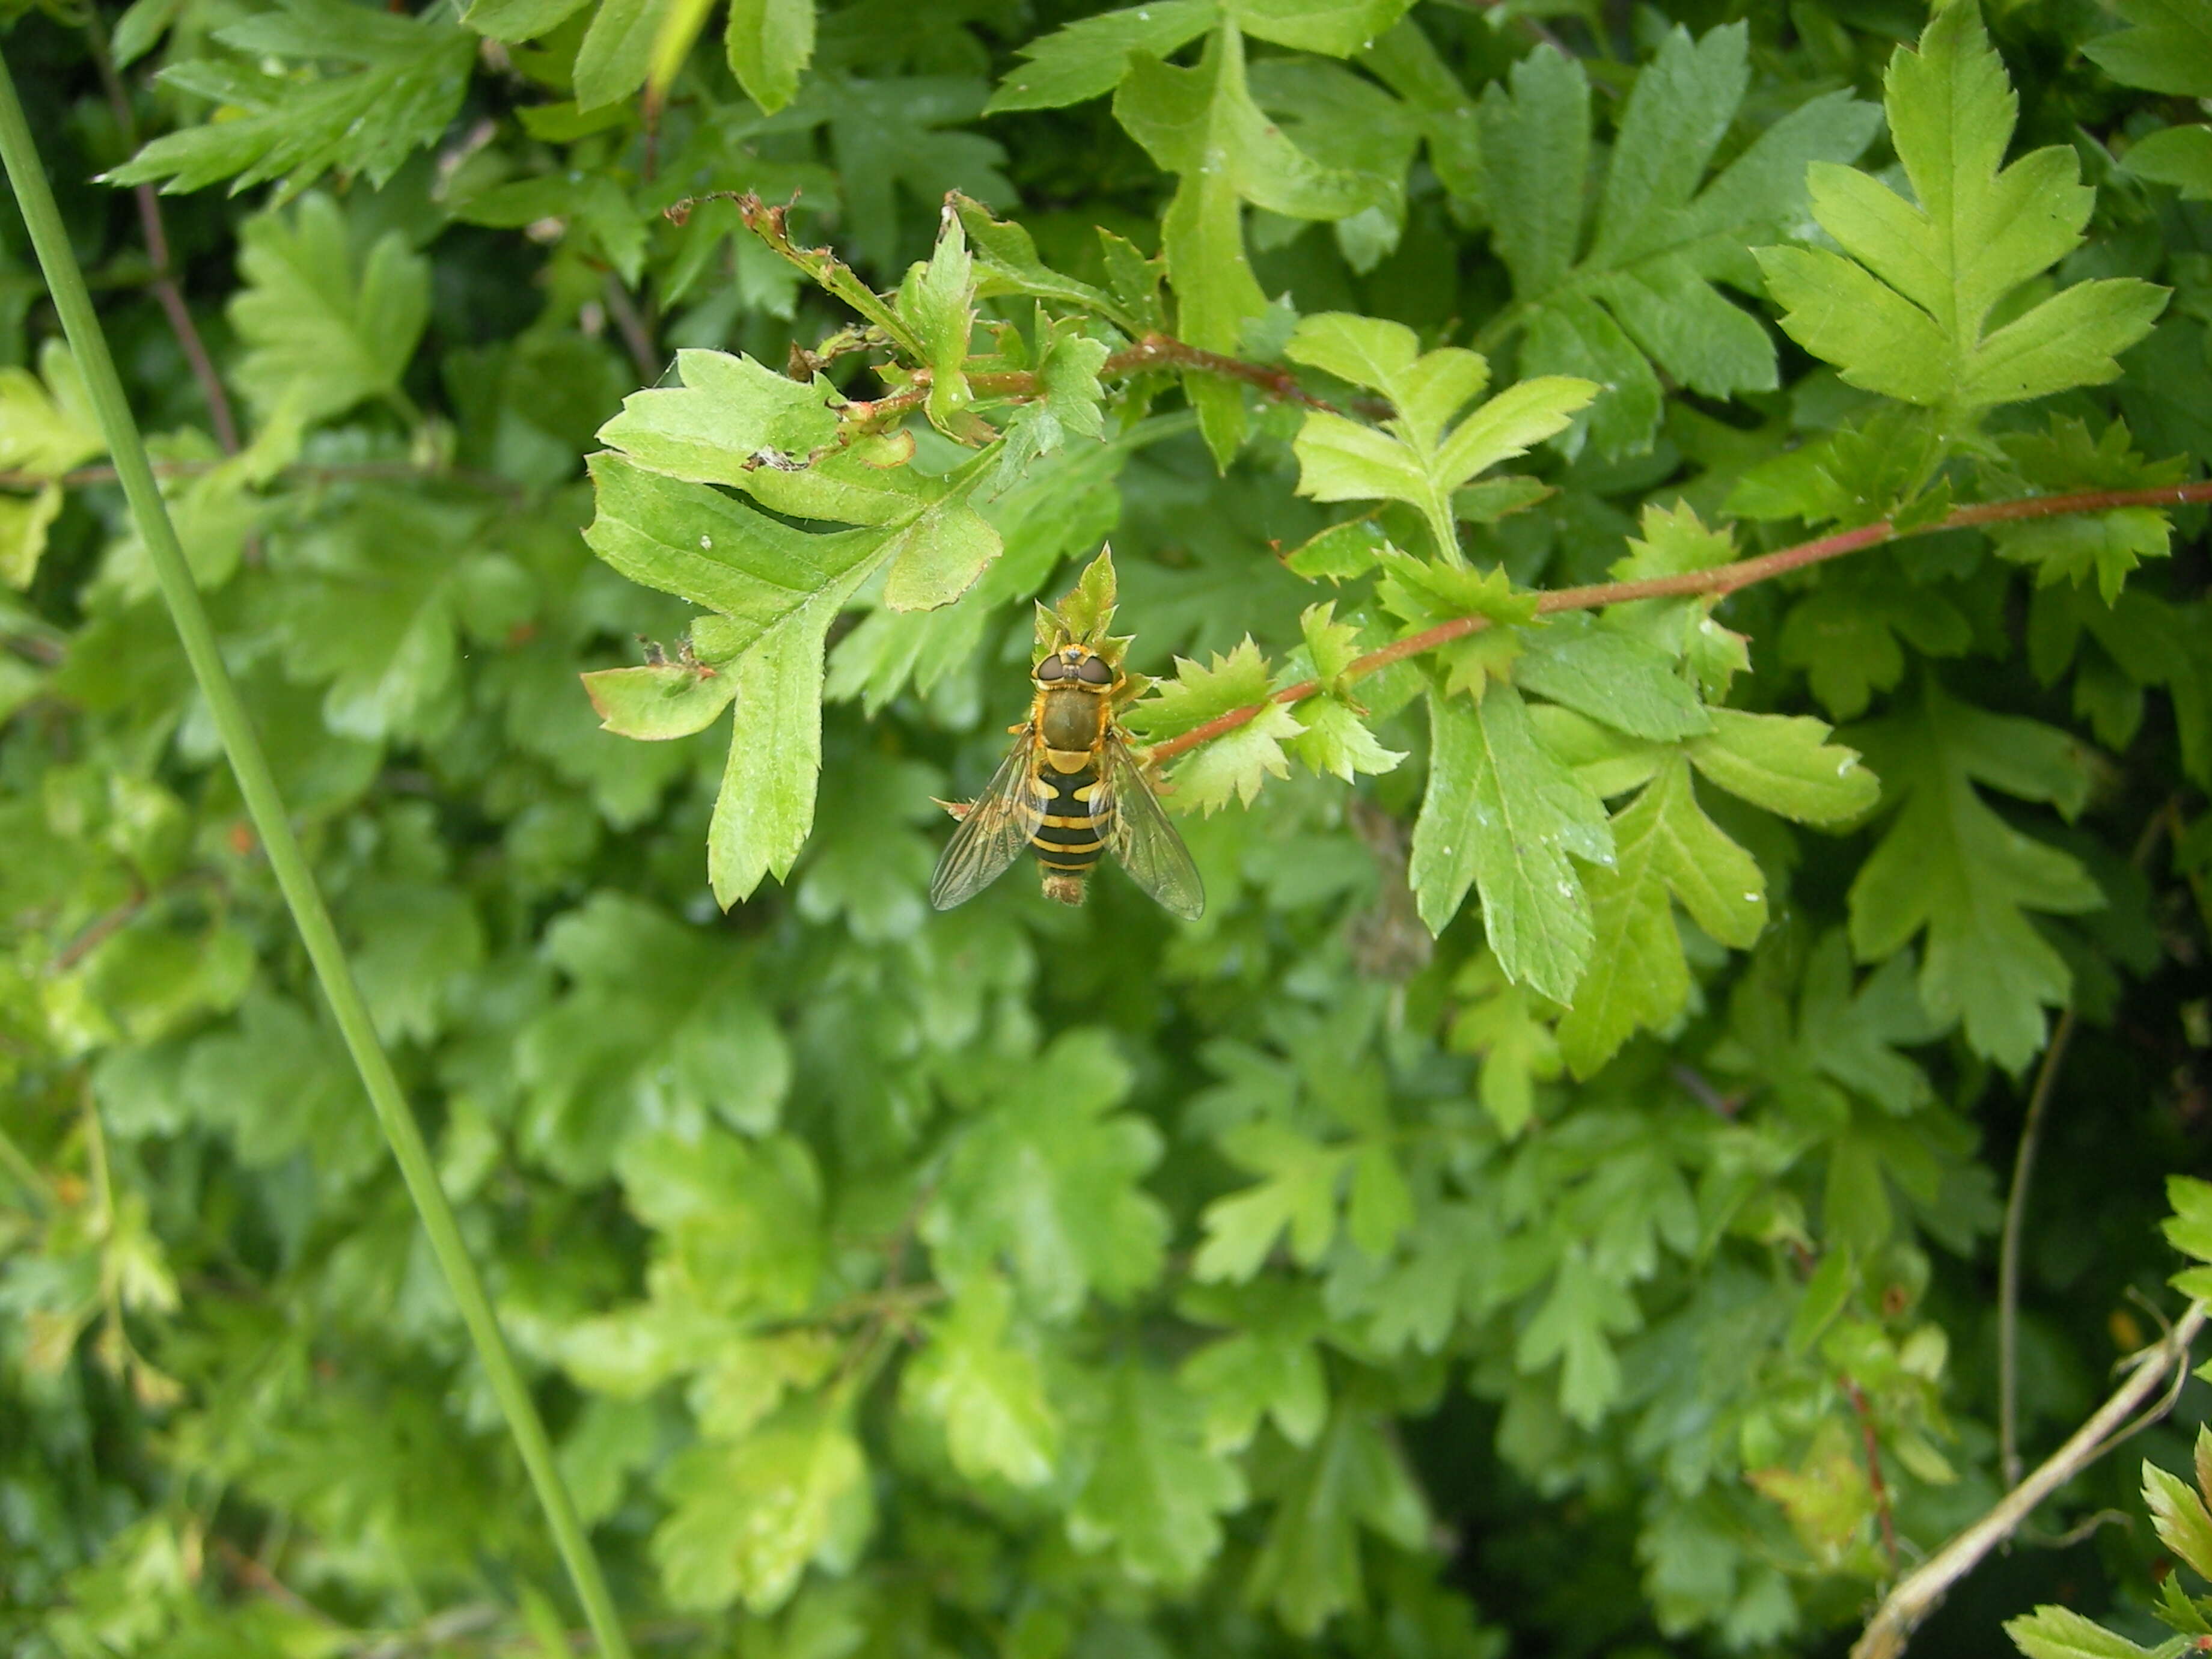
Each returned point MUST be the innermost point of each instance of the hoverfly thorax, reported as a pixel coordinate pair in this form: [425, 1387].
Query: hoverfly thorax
[1070, 789]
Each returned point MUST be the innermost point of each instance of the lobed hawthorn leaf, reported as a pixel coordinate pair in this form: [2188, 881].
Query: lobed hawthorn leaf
[2077, 545]
[1154, 1493]
[1905, 309]
[1202, 125]
[746, 1518]
[1051, 1187]
[1508, 1029]
[1665, 850]
[658, 701]
[1353, 1477]
[1502, 815]
[403, 85]
[1646, 292]
[1299, 1194]
[1948, 865]
[1268, 1368]
[1573, 1325]
[987, 1396]
[2060, 1633]
[323, 329]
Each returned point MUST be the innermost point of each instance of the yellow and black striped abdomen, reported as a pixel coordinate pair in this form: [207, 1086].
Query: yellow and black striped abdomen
[1069, 839]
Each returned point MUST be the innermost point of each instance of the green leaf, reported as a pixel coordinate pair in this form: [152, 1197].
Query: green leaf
[24, 522]
[323, 330]
[1049, 1183]
[1154, 1492]
[1784, 763]
[1911, 317]
[402, 86]
[740, 1221]
[1502, 815]
[2189, 1229]
[1334, 740]
[2167, 49]
[1845, 635]
[1646, 292]
[655, 1018]
[746, 1519]
[1665, 850]
[1090, 56]
[1299, 1194]
[1572, 1326]
[1948, 864]
[1826, 1292]
[617, 49]
[1069, 402]
[1202, 125]
[769, 43]
[519, 20]
[1419, 456]
[659, 700]
[937, 302]
[47, 425]
[1336, 28]
[2060, 1633]
[988, 1395]
[2178, 1514]
[1354, 1476]
[1610, 675]
[728, 419]
[1269, 1368]
[278, 1083]
[2073, 546]
[2180, 156]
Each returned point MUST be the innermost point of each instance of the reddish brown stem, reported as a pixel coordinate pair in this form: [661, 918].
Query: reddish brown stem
[1719, 582]
[166, 292]
[1874, 1482]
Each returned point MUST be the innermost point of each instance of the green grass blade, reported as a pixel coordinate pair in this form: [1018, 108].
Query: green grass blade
[71, 299]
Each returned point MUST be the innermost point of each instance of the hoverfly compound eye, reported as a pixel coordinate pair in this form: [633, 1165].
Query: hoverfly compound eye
[1094, 670]
[1052, 668]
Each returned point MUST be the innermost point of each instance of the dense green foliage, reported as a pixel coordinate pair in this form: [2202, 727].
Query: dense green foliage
[1550, 1199]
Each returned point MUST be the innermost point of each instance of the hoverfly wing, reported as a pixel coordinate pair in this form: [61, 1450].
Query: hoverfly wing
[1139, 834]
[992, 836]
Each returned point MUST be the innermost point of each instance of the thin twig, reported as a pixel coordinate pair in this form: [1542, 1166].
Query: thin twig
[635, 336]
[1876, 1484]
[1920, 1592]
[163, 284]
[1717, 582]
[2023, 1172]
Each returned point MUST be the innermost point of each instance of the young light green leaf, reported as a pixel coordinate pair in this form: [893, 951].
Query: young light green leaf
[1202, 125]
[1948, 864]
[1502, 815]
[1298, 1192]
[745, 1519]
[1665, 850]
[617, 53]
[988, 1394]
[728, 418]
[937, 302]
[322, 330]
[403, 84]
[769, 43]
[659, 701]
[2178, 1512]
[1906, 314]
[2061, 1633]
[1414, 459]
[1334, 740]
[1646, 291]
[47, 425]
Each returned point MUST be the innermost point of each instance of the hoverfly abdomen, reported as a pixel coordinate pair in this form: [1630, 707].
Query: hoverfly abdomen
[1069, 838]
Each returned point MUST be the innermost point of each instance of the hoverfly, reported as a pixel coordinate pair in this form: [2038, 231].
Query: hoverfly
[1069, 788]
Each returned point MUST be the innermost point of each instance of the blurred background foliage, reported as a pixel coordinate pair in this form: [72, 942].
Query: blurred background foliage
[1018, 1280]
